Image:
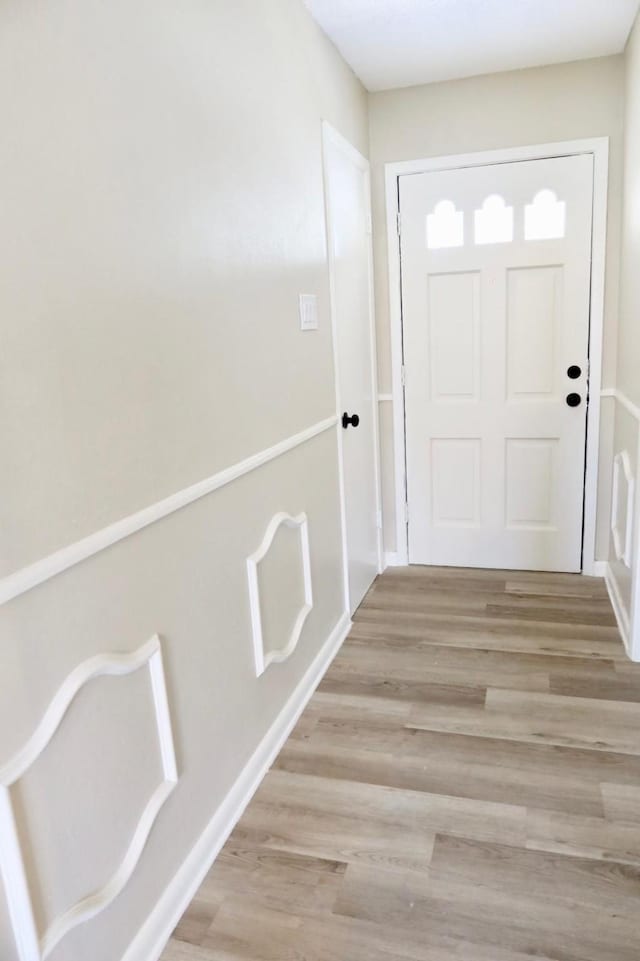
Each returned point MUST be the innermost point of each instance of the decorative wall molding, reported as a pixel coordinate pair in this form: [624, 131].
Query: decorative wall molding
[30, 944]
[28, 577]
[150, 941]
[622, 534]
[622, 399]
[621, 614]
[262, 660]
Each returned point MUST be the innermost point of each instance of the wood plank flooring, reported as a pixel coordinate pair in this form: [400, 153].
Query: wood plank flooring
[463, 786]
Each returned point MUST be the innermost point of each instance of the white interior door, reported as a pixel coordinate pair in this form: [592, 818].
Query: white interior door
[350, 259]
[496, 269]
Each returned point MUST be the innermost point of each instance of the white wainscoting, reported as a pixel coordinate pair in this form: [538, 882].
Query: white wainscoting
[620, 610]
[152, 937]
[31, 945]
[28, 577]
[622, 507]
[622, 399]
[35, 945]
[625, 536]
[276, 655]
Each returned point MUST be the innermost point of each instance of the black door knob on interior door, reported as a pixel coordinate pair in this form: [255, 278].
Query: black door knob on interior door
[574, 372]
[574, 400]
[354, 420]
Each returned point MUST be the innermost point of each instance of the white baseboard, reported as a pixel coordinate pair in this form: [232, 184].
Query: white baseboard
[619, 611]
[152, 937]
[391, 559]
[598, 569]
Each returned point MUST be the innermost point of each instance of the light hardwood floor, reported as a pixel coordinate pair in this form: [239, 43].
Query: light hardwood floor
[463, 786]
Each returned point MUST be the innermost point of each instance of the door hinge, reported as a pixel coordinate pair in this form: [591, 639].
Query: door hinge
[369, 224]
[406, 513]
[403, 376]
[399, 222]
[588, 390]
[379, 520]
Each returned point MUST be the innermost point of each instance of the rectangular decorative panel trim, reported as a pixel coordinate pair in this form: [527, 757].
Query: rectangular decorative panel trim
[530, 475]
[454, 321]
[534, 312]
[622, 507]
[455, 482]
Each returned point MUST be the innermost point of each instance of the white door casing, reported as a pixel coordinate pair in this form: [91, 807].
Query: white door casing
[347, 197]
[496, 270]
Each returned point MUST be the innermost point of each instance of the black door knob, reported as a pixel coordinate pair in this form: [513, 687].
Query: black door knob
[574, 400]
[354, 420]
[574, 372]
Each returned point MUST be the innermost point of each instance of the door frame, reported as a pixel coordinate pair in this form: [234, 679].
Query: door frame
[332, 137]
[598, 147]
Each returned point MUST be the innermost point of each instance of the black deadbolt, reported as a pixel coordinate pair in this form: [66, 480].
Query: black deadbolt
[574, 372]
[574, 400]
[354, 420]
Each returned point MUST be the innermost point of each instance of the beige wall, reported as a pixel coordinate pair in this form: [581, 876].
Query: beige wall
[536, 106]
[629, 333]
[627, 426]
[625, 440]
[162, 208]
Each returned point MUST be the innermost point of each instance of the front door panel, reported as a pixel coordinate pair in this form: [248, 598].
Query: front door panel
[496, 267]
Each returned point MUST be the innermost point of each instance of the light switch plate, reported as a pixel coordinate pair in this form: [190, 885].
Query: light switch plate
[308, 312]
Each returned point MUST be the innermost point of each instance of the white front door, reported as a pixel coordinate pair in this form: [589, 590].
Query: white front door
[350, 260]
[496, 270]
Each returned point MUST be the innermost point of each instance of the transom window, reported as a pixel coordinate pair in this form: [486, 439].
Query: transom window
[545, 218]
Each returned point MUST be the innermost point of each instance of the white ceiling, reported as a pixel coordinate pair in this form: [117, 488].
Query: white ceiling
[398, 43]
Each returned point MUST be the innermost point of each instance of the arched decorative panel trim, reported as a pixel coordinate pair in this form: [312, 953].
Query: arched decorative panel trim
[623, 491]
[30, 944]
[262, 660]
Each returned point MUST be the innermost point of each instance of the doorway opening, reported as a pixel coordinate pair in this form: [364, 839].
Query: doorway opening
[496, 264]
